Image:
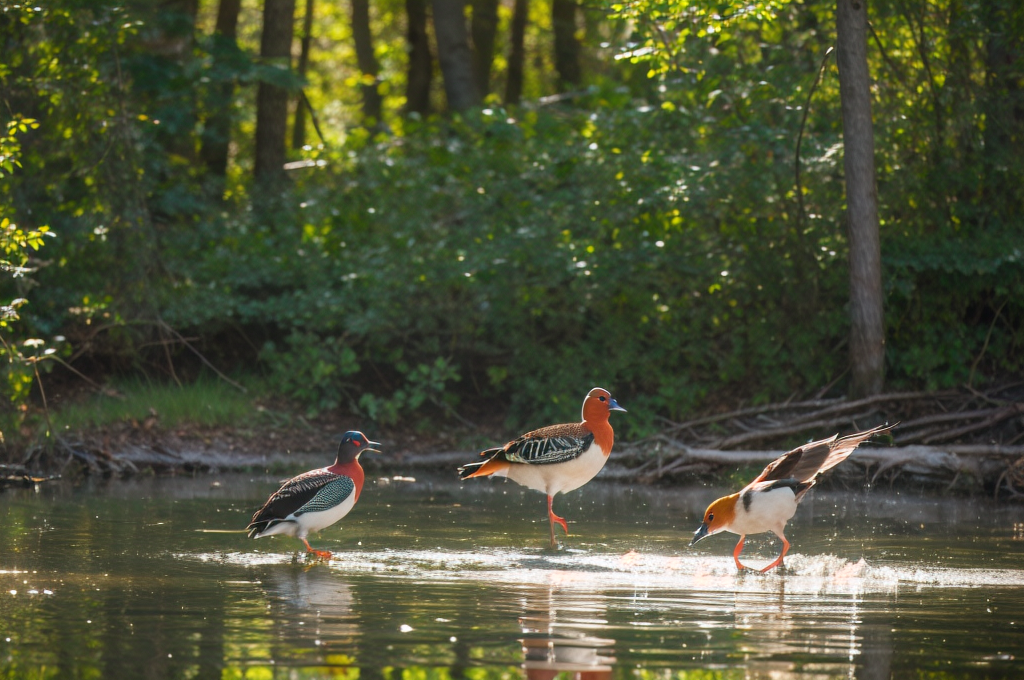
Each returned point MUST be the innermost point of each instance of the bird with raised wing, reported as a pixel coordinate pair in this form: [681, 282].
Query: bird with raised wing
[555, 459]
[316, 499]
[768, 502]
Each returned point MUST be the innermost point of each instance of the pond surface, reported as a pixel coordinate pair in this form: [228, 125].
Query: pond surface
[153, 578]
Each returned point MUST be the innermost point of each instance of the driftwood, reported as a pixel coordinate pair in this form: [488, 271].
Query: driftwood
[940, 437]
[19, 475]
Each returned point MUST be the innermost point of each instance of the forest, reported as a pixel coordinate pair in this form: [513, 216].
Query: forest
[437, 212]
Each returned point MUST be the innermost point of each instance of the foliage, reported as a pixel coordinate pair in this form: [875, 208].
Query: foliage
[16, 244]
[650, 236]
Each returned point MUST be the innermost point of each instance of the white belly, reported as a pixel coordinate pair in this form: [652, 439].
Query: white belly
[768, 511]
[310, 522]
[560, 477]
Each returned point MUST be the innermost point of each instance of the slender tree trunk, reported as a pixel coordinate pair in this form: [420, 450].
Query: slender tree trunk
[867, 321]
[484, 28]
[516, 53]
[366, 59]
[299, 126]
[217, 131]
[421, 62]
[455, 55]
[567, 47]
[271, 100]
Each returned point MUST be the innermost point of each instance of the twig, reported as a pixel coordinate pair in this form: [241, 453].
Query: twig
[1000, 415]
[984, 347]
[792, 428]
[202, 358]
[800, 134]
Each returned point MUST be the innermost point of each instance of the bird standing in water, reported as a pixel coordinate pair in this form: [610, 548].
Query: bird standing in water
[557, 458]
[768, 502]
[316, 499]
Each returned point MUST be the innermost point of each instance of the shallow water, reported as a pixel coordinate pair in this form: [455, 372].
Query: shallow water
[432, 579]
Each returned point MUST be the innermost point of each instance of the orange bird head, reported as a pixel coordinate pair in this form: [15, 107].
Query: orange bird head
[717, 517]
[598, 404]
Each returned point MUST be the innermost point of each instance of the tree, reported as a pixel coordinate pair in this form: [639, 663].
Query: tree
[271, 98]
[299, 127]
[367, 61]
[867, 319]
[455, 55]
[420, 72]
[567, 46]
[516, 53]
[217, 130]
[484, 28]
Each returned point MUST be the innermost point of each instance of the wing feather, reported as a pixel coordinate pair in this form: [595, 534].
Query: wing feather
[291, 497]
[548, 445]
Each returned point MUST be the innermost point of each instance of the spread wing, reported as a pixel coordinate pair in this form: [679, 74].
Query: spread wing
[805, 462]
[293, 496]
[552, 444]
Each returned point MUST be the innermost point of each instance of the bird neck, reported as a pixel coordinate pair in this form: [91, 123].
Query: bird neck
[351, 469]
[604, 435]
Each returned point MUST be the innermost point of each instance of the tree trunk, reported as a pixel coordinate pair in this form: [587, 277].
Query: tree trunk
[516, 53]
[271, 100]
[299, 126]
[484, 28]
[366, 59]
[455, 55]
[567, 47]
[421, 62]
[867, 321]
[217, 131]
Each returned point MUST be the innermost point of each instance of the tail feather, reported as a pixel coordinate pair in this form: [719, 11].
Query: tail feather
[495, 465]
[844, 446]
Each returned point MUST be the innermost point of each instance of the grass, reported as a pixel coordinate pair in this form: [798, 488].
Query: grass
[205, 402]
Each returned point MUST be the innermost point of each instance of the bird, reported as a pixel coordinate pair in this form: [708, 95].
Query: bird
[768, 502]
[316, 499]
[557, 458]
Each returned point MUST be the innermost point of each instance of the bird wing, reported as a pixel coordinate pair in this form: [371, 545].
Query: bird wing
[552, 444]
[331, 494]
[805, 462]
[294, 495]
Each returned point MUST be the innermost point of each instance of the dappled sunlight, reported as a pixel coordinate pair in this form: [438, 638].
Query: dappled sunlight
[425, 585]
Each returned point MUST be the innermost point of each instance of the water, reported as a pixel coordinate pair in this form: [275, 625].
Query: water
[151, 578]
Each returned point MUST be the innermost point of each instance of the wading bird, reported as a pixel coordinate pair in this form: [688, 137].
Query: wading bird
[316, 499]
[768, 502]
[557, 458]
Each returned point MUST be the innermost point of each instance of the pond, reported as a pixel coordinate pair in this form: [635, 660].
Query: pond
[153, 578]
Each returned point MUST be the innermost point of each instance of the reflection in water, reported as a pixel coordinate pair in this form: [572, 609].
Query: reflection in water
[553, 645]
[138, 580]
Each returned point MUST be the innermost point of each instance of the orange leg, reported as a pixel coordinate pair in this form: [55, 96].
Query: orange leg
[320, 554]
[736, 553]
[778, 560]
[553, 519]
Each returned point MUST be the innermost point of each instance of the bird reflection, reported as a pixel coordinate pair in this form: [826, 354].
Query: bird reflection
[557, 643]
[314, 602]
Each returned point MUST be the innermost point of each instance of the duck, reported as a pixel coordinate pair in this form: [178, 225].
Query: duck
[557, 458]
[770, 501]
[316, 499]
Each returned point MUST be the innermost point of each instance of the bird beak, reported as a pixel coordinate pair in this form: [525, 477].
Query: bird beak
[700, 533]
[614, 406]
[371, 447]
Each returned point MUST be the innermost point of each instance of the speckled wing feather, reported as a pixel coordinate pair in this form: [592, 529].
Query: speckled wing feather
[291, 497]
[334, 492]
[552, 444]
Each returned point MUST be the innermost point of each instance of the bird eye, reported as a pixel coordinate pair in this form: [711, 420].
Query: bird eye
[711, 517]
[601, 398]
[357, 442]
